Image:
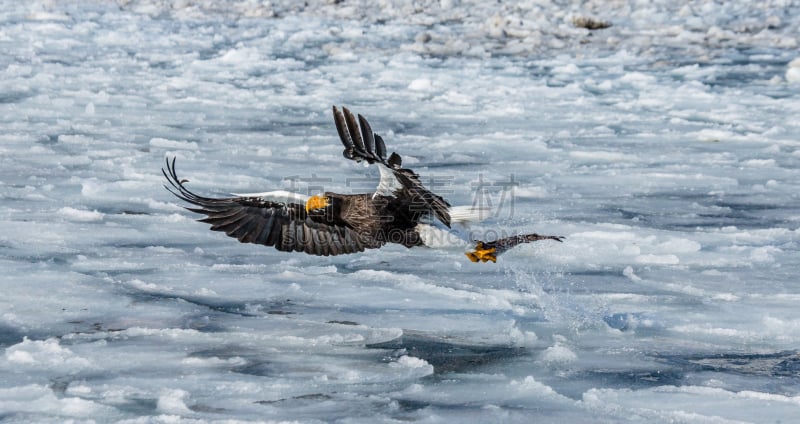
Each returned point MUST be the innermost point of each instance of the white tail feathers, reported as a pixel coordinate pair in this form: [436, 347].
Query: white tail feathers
[439, 238]
[468, 214]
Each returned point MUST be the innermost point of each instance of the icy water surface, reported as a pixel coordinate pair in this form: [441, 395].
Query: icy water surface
[665, 148]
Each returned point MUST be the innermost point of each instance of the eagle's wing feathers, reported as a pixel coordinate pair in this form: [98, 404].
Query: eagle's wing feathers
[360, 144]
[286, 226]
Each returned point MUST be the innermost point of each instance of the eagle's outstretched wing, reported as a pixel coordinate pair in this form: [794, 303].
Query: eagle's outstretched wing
[286, 226]
[361, 144]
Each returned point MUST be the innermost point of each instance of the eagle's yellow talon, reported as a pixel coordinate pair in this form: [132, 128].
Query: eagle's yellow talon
[483, 255]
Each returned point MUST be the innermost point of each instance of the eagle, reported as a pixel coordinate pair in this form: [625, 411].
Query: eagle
[400, 210]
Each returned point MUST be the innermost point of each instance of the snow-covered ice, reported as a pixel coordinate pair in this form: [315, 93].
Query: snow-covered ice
[666, 148]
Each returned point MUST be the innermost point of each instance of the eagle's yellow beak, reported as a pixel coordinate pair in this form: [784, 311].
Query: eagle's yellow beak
[316, 202]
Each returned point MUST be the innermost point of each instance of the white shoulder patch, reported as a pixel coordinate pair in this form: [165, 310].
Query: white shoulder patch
[388, 184]
[282, 196]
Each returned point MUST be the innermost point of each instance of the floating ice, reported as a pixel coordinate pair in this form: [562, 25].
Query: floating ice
[793, 73]
[42, 355]
[78, 215]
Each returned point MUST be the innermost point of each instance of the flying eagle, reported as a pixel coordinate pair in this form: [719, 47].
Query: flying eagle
[335, 224]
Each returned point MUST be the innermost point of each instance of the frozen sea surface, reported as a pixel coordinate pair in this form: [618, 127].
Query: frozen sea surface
[666, 148]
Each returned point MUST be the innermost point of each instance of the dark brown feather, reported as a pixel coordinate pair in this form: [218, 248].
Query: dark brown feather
[380, 147]
[369, 137]
[371, 147]
[352, 127]
[286, 226]
[344, 134]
